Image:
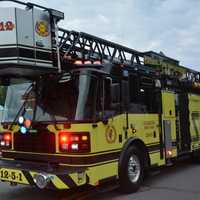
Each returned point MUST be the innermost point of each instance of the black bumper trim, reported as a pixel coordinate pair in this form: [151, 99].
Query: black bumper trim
[25, 166]
[24, 52]
[86, 160]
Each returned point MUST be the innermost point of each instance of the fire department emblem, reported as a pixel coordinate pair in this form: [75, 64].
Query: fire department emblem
[42, 28]
[111, 134]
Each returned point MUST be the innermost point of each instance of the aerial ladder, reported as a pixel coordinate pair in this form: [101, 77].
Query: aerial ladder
[84, 46]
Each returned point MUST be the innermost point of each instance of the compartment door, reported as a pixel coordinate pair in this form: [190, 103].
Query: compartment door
[169, 123]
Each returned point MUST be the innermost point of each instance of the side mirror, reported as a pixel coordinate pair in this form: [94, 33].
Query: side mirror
[112, 94]
[115, 93]
[125, 93]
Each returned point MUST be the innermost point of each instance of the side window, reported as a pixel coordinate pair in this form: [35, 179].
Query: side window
[142, 94]
[109, 97]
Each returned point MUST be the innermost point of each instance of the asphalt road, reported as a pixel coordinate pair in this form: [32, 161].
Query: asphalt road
[179, 182]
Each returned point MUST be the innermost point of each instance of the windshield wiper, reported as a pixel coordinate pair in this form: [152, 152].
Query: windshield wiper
[22, 108]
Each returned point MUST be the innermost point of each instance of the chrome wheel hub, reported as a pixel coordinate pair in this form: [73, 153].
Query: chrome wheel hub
[134, 168]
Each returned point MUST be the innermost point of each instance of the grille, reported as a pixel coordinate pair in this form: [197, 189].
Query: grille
[41, 142]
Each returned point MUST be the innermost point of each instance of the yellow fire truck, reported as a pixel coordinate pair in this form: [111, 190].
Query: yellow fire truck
[82, 110]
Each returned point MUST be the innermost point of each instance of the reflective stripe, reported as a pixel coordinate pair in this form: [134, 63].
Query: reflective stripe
[67, 180]
[28, 177]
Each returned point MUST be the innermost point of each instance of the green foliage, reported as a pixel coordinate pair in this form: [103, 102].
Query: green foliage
[3, 91]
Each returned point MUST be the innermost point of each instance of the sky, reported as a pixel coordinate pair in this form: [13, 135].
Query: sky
[170, 26]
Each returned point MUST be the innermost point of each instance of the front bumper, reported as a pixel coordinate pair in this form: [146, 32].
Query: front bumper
[61, 177]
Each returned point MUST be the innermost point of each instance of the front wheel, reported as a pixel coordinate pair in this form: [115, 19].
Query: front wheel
[131, 171]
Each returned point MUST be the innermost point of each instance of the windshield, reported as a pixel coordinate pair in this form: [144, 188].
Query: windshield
[52, 100]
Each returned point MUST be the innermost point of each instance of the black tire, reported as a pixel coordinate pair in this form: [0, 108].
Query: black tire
[196, 157]
[126, 185]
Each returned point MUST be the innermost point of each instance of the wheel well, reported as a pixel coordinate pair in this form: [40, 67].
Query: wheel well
[141, 146]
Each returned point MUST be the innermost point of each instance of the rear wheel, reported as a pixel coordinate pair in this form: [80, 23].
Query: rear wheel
[131, 171]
